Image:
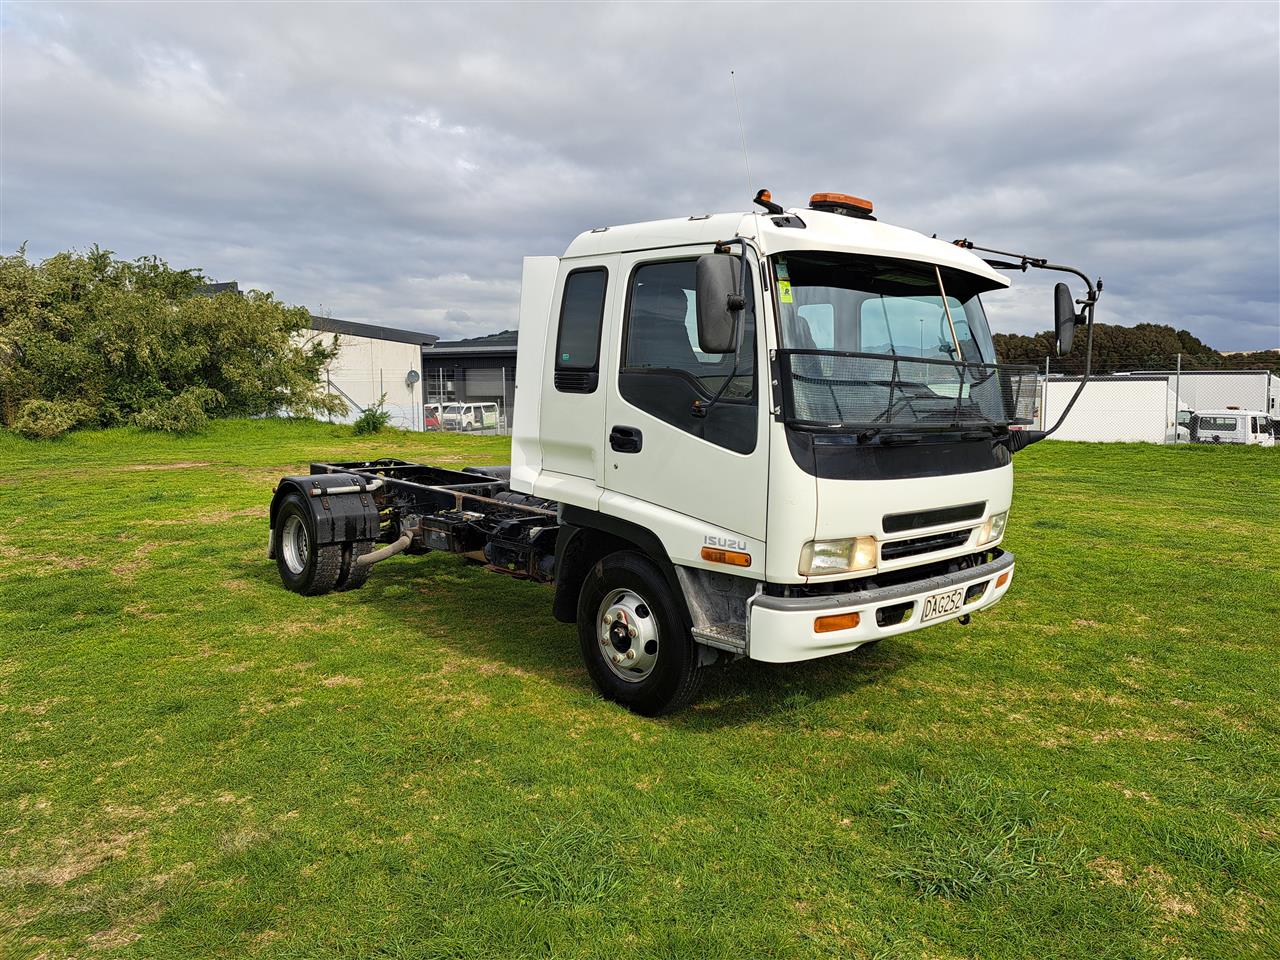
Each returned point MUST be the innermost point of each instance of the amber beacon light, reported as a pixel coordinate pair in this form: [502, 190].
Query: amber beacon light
[841, 203]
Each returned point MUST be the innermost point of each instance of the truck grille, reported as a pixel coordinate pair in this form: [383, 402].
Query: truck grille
[902, 522]
[914, 546]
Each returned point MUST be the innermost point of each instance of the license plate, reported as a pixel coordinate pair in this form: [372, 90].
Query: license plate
[941, 604]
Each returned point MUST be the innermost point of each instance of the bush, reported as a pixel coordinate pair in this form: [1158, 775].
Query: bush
[45, 419]
[184, 413]
[373, 420]
[111, 342]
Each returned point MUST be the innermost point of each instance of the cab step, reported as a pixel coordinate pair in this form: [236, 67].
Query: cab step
[723, 636]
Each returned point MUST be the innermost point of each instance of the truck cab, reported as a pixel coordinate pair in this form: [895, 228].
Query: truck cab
[848, 484]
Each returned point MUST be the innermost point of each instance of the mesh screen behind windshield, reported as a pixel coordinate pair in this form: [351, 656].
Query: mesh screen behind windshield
[866, 390]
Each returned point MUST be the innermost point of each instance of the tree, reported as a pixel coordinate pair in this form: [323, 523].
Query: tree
[89, 340]
[1144, 346]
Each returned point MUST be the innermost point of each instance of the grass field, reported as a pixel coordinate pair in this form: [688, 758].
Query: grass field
[194, 762]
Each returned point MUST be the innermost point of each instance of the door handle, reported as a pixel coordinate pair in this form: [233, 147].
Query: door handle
[626, 439]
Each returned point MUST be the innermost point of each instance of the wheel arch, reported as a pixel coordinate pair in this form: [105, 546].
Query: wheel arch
[338, 518]
[587, 537]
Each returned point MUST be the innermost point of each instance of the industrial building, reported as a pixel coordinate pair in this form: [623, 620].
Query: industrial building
[479, 369]
[374, 361]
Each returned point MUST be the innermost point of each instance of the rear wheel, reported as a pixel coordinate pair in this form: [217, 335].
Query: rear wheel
[304, 567]
[634, 641]
[354, 575]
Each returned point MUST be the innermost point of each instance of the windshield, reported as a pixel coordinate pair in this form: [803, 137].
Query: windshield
[876, 342]
[834, 301]
[453, 409]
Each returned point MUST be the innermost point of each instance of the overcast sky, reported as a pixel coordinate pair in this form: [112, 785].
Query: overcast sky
[393, 164]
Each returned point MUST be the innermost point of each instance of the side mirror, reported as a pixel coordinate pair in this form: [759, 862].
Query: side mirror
[719, 303]
[1065, 318]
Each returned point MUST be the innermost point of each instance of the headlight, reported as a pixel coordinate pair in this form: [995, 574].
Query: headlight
[820, 557]
[993, 529]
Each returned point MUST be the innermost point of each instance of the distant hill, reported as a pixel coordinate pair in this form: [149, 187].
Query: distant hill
[1145, 346]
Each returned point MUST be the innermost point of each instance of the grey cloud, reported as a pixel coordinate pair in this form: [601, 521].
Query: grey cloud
[394, 163]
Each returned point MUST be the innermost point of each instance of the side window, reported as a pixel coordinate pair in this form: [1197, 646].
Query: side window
[578, 341]
[662, 331]
[664, 370]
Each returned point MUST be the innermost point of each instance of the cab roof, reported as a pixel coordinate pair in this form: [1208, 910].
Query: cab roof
[798, 229]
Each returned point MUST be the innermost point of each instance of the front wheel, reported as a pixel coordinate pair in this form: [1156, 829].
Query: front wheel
[636, 646]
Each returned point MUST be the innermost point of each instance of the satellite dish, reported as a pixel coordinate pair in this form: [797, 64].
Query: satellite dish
[412, 377]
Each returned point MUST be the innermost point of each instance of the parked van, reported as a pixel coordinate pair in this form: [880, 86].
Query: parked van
[470, 416]
[1233, 426]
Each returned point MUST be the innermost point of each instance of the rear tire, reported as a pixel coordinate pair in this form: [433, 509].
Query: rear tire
[353, 576]
[304, 567]
[643, 657]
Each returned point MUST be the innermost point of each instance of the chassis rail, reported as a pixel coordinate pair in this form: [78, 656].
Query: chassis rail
[472, 512]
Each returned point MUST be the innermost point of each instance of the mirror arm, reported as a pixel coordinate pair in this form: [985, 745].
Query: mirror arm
[1018, 439]
[738, 302]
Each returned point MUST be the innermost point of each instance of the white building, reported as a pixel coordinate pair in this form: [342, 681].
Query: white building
[373, 361]
[1112, 409]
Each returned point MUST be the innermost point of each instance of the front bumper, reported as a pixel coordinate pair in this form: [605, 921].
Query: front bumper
[780, 629]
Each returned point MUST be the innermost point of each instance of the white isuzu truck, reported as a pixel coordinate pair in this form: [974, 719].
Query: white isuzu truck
[778, 435]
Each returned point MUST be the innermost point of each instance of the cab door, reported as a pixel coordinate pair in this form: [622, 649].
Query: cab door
[571, 416]
[711, 470]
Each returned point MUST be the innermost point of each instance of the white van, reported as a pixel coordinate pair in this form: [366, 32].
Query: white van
[1233, 425]
[470, 416]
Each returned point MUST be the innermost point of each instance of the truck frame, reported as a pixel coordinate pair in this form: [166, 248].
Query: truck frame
[713, 457]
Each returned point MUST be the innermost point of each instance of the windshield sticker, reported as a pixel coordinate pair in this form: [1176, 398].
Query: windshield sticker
[784, 291]
[781, 268]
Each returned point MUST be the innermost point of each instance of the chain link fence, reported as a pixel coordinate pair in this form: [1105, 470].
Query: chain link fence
[1169, 403]
[1146, 400]
[411, 407]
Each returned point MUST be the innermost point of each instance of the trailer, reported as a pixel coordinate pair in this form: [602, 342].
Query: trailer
[778, 436]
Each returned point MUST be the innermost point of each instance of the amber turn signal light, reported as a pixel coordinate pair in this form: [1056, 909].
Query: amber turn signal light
[1002, 579]
[732, 557]
[836, 621]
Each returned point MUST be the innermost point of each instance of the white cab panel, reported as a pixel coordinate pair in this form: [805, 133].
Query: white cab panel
[537, 290]
[571, 425]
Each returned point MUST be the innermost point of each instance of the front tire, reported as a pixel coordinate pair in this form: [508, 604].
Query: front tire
[635, 643]
[304, 567]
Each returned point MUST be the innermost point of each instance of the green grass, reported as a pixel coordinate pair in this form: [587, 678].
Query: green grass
[195, 762]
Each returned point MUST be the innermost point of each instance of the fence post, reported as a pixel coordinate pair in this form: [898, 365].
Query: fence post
[1177, 397]
[1044, 396]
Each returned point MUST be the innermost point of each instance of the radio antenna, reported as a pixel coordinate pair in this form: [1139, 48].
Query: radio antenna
[741, 129]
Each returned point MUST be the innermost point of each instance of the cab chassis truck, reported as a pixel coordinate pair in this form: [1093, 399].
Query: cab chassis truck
[779, 435]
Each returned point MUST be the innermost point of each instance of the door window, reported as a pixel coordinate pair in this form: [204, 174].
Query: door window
[664, 370]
